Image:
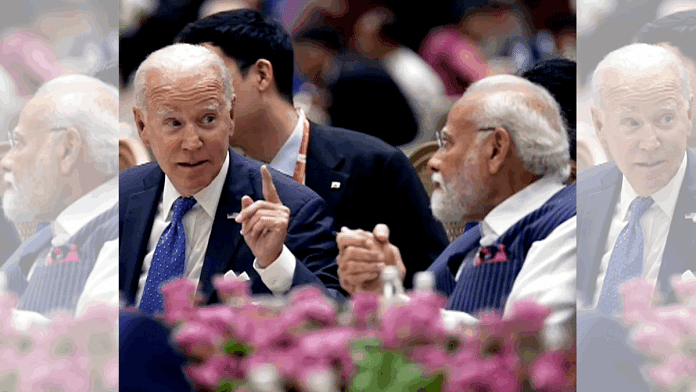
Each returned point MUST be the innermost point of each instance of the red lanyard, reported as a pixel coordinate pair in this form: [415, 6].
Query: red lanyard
[301, 165]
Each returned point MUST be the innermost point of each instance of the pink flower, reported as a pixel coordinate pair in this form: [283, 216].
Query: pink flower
[529, 316]
[312, 309]
[483, 375]
[196, 339]
[179, 300]
[328, 348]
[366, 311]
[674, 371]
[417, 321]
[109, 372]
[685, 289]
[553, 371]
[654, 338]
[231, 287]
[639, 298]
[208, 373]
[60, 374]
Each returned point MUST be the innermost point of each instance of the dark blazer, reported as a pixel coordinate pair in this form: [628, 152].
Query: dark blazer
[309, 232]
[598, 192]
[377, 184]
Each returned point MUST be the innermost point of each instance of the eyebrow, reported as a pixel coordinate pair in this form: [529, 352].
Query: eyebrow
[213, 105]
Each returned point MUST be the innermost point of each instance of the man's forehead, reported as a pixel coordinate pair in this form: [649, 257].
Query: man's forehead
[648, 81]
[202, 89]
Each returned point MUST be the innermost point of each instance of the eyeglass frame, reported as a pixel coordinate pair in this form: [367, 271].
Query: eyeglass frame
[441, 141]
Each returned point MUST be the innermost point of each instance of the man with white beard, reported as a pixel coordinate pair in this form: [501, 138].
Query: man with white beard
[502, 162]
[62, 169]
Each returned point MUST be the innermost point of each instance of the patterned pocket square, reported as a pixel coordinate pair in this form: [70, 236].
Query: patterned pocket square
[63, 254]
[491, 254]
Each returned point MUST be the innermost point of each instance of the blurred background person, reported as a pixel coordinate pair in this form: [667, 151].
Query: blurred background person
[677, 33]
[558, 78]
[371, 42]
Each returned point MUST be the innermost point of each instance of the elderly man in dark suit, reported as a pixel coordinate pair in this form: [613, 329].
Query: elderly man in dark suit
[634, 214]
[364, 180]
[182, 216]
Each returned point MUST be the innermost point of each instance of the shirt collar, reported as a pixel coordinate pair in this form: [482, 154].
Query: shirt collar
[286, 158]
[208, 197]
[517, 206]
[84, 210]
[665, 198]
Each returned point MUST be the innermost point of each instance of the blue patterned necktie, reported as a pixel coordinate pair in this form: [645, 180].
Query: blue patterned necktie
[169, 260]
[626, 260]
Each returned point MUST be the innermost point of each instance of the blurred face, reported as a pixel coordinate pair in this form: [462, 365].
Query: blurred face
[459, 175]
[247, 96]
[188, 125]
[645, 123]
[31, 166]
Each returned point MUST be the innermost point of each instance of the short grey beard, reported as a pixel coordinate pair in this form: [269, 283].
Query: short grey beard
[445, 203]
[16, 202]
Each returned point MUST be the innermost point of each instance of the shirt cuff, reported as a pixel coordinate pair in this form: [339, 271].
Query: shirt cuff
[278, 275]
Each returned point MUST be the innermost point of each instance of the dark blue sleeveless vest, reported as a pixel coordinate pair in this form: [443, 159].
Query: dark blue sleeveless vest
[486, 287]
[57, 287]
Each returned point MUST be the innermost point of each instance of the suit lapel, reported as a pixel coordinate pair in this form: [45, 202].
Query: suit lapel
[225, 237]
[680, 249]
[134, 243]
[324, 164]
[594, 219]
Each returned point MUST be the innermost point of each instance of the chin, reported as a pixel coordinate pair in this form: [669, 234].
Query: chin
[17, 211]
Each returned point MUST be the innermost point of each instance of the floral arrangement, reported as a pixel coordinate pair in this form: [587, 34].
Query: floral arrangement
[304, 343]
[665, 334]
[68, 354]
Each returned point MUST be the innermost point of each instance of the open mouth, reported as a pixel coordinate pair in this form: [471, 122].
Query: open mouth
[192, 164]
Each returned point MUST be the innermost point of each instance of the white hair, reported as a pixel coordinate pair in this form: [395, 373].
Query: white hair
[638, 60]
[90, 106]
[532, 117]
[180, 59]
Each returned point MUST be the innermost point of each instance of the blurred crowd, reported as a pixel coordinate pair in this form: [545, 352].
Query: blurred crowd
[387, 68]
[43, 39]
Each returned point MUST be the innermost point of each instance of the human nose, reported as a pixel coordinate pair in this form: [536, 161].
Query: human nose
[6, 160]
[192, 139]
[649, 140]
[435, 161]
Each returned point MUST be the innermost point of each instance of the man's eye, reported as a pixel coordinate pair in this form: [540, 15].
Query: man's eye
[172, 122]
[209, 119]
[630, 123]
[667, 119]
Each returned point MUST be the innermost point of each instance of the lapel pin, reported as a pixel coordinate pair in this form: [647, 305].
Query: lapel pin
[691, 216]
[233, 215]
[335, 185]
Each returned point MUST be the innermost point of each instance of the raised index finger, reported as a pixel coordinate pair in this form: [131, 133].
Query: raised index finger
[269, 191]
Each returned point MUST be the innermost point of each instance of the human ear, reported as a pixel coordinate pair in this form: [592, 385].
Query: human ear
[69, 151]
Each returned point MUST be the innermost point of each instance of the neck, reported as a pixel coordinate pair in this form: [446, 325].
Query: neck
[269, 132]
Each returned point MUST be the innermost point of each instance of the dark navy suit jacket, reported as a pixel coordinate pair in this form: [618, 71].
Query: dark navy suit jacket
[377, 184]
[598, 191]
[309, 233]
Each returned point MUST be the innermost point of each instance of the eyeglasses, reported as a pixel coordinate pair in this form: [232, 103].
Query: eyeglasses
[14, 143]
[442, 143]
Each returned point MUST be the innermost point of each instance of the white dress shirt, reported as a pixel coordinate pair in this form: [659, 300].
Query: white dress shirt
[286, 158]
[198, 224]
[101, 285]
[548, 273]
[655, 224]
